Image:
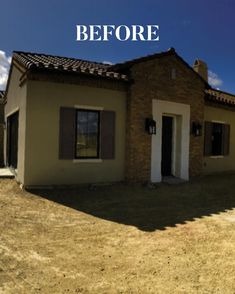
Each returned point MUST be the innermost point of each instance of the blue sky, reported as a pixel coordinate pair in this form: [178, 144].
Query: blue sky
[196, 29]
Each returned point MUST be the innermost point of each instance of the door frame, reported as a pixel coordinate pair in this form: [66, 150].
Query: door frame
[181, 112]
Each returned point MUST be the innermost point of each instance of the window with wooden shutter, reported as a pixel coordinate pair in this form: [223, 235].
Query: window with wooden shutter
[217, 139]
[67, 133]
[86, 134]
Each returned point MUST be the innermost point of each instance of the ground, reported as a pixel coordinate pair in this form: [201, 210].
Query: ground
[119, 238]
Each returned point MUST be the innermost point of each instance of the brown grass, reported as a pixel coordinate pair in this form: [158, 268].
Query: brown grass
[119, 239]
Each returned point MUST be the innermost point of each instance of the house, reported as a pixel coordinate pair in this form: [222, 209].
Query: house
[72, 121]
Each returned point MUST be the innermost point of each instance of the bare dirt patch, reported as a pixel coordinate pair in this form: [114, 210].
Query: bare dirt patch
[119, 239]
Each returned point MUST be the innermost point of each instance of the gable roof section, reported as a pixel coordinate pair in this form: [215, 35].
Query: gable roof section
[213, 95]
[65, 64]
[220, 97]
[37, 61]
[57, 63]
[127, 64]
[171, 52]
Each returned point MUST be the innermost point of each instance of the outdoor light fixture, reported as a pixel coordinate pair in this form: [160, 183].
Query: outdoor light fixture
[150, 126]
[196, 129]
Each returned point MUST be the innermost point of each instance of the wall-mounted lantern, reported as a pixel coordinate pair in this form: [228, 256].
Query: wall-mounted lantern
[196, 129]
[150, 126]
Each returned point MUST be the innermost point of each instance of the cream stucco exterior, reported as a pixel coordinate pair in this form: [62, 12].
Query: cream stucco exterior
[38, 97]
[221, 163]
[42, 164]
[39, 105]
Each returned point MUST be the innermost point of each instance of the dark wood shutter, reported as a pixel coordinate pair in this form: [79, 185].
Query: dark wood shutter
[208, 138]
[67, 133]
[226, 139]
[107, 134]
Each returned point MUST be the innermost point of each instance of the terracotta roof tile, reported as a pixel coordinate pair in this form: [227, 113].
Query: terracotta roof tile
[220, 97]
[50, 62]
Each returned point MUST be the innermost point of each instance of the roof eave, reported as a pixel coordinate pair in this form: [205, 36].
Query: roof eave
[78, 73]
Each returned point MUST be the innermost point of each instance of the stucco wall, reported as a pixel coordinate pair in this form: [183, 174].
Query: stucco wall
[16, 101]
[221, 163]
[42, 164]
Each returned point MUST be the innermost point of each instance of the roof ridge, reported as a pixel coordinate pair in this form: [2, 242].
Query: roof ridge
[170, 51]
[60, 56]
[33, 61]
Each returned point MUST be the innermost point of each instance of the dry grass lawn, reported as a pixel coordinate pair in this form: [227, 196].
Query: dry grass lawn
[119, 239]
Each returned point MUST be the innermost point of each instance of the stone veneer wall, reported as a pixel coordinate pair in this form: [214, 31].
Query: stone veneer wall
[152, 79]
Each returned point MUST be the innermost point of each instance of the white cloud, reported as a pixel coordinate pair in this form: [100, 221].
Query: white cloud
[107, 62]
[5, 62]
[213, 79]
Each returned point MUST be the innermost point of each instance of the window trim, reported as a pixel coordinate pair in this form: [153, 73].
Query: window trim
[81, 158]
[216, 156]
[92, 160]
[88, 107]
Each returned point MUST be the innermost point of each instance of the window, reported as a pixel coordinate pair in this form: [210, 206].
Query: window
[217, 139]
[87, 133]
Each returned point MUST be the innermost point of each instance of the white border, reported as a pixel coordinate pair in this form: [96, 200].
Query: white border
[89, 160]
[89, 107]
[161, 108]
[13, 111]
[218, 122]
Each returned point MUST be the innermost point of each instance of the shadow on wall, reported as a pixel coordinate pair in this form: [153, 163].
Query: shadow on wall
[150, 210]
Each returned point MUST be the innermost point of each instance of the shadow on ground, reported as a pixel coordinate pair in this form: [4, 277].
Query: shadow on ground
[150, 210]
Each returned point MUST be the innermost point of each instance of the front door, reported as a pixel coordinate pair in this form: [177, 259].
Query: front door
[12, 139]
[167, 130]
